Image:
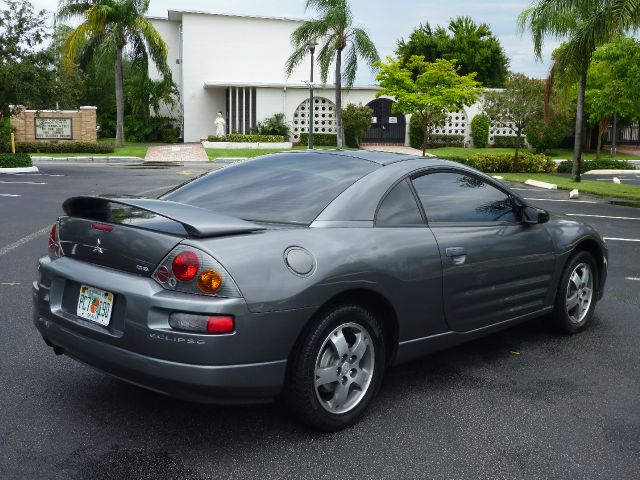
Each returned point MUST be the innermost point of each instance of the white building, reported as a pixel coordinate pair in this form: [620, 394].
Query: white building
[234, 64]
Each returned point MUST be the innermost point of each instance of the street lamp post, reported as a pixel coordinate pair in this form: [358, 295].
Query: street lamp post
[312, 49]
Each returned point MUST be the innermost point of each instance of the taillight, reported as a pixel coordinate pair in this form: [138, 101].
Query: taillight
[185, 266]
[188, 269]
[53, 244]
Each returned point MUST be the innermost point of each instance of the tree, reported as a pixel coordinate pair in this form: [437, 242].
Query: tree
[473, 46]
[357, 120]
[27, 73]
[566, 20]
[427, 90]
[108, 27]
[516, 107]
[335, 31]
[612, 85]
[480, 126]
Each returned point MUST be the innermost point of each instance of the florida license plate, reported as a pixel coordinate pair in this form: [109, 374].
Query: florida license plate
[95, 305]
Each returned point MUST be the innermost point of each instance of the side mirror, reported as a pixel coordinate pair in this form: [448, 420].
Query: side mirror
[533, 216]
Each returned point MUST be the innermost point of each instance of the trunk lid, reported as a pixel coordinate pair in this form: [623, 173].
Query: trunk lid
[135, 234]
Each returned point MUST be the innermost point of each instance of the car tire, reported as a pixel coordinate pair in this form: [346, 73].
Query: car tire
[336, 369]
[576, 297]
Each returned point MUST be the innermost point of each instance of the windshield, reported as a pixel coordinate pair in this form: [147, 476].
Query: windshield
[281, 188]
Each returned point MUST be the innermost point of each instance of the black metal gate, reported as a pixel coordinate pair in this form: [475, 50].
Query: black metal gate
[386, 127]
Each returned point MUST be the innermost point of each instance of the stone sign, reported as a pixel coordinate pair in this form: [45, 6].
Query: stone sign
[53, 128]
[54, 125]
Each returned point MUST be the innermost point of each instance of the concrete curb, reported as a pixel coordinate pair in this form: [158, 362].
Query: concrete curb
[106, 159]
[20, 170]
[611, 172]
[537, 183]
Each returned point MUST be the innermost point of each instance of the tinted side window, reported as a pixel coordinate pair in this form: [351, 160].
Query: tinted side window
[399, 208]
[455, 197]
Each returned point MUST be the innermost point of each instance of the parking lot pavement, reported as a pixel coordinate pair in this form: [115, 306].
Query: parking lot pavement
[626, 178]
[523, 403]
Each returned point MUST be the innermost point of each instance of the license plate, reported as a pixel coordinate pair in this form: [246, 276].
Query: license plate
[95, 305]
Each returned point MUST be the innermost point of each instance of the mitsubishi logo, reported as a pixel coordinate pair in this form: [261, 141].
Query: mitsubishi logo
[98, 247]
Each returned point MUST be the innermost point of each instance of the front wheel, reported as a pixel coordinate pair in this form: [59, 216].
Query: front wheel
[576, 297]
[337, 368]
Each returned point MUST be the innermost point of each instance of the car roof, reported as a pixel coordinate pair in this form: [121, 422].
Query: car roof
[381, 158]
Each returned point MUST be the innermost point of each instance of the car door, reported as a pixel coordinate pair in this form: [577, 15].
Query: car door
[494, 266]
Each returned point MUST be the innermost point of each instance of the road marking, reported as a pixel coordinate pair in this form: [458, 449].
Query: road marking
[8, 195]
[635, 279]
[560, 200]
[23, 240]
[9, 284]
[622, 239]
[600, 216]
[29, 183]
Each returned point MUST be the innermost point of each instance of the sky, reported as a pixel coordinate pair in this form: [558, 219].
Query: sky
[387, 21]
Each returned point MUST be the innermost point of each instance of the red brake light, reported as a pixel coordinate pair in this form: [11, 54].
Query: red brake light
[220, 325]
[53, 244]
[185, 266]
[102, 227]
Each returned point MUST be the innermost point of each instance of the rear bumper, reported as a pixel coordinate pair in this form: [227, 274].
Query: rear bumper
[140, 347]
[243, 383]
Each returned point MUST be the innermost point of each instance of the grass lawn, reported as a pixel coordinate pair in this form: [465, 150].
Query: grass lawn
[457, 152]
[130, 149]
[214, 153]
[585, 186]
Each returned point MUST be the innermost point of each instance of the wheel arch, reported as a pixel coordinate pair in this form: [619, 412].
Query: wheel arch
[376, 303]
[591, 246]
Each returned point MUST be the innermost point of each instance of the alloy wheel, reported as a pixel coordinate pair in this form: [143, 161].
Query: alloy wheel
[579, 293]
[344, 368]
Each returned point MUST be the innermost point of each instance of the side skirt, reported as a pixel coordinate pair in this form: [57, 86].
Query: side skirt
[417, 347]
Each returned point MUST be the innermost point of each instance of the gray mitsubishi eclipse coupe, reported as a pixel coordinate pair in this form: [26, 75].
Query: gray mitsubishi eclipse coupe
[304, 275]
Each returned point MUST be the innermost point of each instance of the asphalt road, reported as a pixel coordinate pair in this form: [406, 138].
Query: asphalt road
[523, 403]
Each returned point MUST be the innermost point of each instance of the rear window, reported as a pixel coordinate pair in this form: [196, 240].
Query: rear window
[284, 188]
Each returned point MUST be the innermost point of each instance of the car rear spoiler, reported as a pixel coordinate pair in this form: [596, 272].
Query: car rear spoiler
[198, 222]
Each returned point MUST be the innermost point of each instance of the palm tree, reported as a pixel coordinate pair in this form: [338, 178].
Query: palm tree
[108, 27]
[335, 31]
[565, 19]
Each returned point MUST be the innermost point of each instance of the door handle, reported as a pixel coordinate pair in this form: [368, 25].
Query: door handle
[458, 254]
[455, 251]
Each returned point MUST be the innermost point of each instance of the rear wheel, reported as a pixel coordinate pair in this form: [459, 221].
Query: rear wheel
[337, 368]
[576, 297]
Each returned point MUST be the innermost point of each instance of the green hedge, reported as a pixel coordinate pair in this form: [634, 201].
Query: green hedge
[505, 163]
[154, 129]
[480, 126]
[249, 138]
[586, 165]
[5, 134]
[320, 139]
[10, 160]
[64, 147]
[507, 141]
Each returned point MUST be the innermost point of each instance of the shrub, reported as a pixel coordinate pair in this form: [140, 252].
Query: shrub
[106, 126]
[586, 165]
[64, 147]
[544, 136]
[10, 160]
[274, 125]
[505, 162]
[356, 120]
[249, 138]
[156, 129]
[5, 134]
[480, 126]
[416, 135]
[507, 141]
[320, 139]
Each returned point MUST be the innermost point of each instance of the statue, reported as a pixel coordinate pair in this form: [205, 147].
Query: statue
[220, 126]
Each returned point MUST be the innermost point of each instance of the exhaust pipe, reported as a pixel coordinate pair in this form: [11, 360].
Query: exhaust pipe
[56, 349]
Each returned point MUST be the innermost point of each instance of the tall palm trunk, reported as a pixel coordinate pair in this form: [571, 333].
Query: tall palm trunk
[577, 144]
[119, 99]
[339, 136]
